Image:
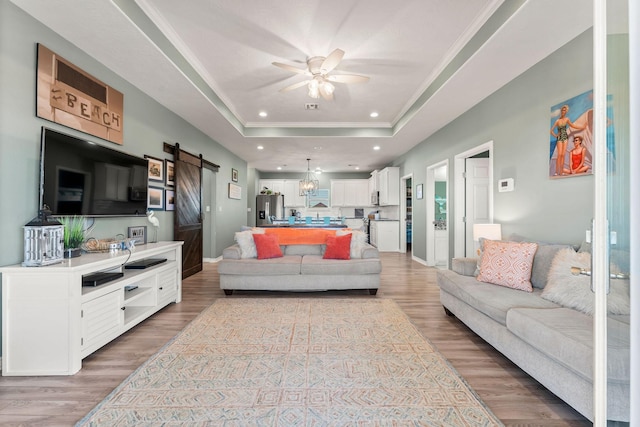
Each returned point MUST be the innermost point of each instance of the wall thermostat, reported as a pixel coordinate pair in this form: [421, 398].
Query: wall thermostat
[505, 185]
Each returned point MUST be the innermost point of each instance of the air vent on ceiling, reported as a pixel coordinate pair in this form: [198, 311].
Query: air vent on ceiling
[311, 106]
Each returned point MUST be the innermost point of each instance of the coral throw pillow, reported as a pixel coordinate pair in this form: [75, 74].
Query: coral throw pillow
[508, 264]
[267, 246]
[338, 247]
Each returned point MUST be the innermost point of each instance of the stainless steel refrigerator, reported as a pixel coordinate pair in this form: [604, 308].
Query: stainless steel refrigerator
[269, 208]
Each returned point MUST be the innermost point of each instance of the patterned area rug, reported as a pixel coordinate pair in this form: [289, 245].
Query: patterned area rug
[295, 362]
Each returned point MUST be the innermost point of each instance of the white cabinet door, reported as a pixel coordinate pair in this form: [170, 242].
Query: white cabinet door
[337, 193]
[275, 185]
[389, 186]
[292, 197]
[102, 320]
[387, 235]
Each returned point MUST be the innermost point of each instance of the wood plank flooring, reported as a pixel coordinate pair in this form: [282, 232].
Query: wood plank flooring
[511, 394]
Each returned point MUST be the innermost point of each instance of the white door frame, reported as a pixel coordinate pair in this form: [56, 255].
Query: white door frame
[403, 213]
[459, 202]
[430, 195]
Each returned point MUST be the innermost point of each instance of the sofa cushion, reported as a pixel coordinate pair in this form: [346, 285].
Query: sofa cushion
[566, 335]
[507, 264]
[316, 265]
[304, 249]
[338, 247]
[358, 241]
[246, 242]
[267, 246]
[465, 266]
[493, 301]
[574, 291]
[289, 264]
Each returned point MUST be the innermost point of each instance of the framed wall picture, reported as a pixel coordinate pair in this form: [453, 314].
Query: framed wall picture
[235, 191]
[571, 142]
[234, 175]
[169, 200]
[169, 173]
[155, 200]
[155, 169]
[419, 191]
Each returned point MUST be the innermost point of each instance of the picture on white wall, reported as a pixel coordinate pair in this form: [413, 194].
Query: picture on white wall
[571, 144]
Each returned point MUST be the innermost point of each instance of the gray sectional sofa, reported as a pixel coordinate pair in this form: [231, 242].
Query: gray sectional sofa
[302, 268]
[552, 343]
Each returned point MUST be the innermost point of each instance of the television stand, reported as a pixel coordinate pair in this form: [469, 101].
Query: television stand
[51, 321]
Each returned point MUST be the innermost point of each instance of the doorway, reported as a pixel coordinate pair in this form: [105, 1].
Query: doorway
[466, 213]
[437, 214]
[406, 214]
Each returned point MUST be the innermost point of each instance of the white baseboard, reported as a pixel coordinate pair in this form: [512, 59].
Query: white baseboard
[210, 260]
[419, 260]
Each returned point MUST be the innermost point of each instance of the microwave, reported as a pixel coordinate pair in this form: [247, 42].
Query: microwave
[375, 198]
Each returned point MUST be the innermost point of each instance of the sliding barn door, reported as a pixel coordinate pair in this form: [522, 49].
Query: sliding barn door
[188, 213]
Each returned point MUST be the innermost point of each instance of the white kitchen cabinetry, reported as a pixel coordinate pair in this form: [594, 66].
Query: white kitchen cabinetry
[50, 322]
[389, 186]
[385, 235]
[350, 192]
[292, 197]
[275, 185]
[373, 182]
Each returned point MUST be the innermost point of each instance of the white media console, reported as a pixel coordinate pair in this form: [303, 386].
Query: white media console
[50, 322]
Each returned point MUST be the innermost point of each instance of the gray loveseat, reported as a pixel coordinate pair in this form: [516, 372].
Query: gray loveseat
[552, 343]
[302, 268]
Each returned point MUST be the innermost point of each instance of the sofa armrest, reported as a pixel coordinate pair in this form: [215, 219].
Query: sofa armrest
[464, 266]
[370, 252]
[232, 252]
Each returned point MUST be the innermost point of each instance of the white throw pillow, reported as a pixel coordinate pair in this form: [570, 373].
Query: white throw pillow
[574, 291]
[358, 241]
[246, 242]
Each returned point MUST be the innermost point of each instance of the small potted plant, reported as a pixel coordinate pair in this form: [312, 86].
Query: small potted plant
[74, 234]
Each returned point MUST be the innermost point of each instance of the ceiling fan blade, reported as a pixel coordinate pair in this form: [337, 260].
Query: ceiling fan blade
[347, 78]
[331, 61]
[290, 68]
[294, 86]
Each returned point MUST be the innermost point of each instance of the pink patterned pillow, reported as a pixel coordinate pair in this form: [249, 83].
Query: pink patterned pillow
[508, 264]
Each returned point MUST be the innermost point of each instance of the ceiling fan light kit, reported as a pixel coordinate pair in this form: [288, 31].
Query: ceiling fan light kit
[318, 69]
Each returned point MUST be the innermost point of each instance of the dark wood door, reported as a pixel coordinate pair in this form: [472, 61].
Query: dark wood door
[188, 213]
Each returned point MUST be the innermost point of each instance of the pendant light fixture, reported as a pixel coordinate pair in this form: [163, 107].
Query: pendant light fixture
[309, 184]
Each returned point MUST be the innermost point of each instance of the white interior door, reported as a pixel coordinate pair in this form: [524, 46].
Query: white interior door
[477, 199]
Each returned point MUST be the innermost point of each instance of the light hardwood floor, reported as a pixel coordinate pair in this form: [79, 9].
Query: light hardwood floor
[512, 395]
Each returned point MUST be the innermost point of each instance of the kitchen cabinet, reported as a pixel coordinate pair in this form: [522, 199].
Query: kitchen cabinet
[275, 185]
[373, 182]
[389, 186]
[292, 197]
[350, 192]
[385, 235]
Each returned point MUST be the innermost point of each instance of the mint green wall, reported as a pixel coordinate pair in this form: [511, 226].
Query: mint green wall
[146, 126]
[516, 119]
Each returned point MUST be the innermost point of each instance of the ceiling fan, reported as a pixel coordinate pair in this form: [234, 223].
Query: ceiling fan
[318, 69]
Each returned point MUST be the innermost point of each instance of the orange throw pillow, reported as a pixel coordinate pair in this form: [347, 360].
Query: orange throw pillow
[267, 246]
[338, 247]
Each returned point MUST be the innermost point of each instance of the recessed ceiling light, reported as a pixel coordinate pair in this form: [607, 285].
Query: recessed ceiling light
[279, 168]
[260, 147]
[373, 115]
[262, 114]
[357, 168]
[377, 147]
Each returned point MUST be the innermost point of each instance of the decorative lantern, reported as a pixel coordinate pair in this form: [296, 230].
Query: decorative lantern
[43, 241]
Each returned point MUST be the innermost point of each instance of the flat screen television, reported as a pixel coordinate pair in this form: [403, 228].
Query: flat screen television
[80, 177]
